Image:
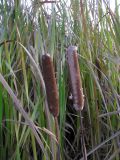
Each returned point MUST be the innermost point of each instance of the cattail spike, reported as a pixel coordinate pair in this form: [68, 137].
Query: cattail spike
[75, 78]
[50, 84]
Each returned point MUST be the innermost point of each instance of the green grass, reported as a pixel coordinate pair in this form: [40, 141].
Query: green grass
[24, 37]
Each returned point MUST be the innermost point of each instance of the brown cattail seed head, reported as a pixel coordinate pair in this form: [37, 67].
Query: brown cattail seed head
[50, 84]
[75, 78]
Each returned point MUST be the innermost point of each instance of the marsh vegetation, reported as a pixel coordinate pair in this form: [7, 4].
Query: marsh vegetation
[29, 128]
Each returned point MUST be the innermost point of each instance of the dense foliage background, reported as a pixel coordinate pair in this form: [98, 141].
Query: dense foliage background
[26, 33]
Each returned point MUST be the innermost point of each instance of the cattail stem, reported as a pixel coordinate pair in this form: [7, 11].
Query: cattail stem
[57, 137]
[56, 128]
[84, 152]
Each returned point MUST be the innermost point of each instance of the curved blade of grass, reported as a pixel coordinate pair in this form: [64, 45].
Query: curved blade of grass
[19, 107]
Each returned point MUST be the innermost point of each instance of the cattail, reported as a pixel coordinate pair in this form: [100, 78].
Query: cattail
[50, 84]
[75, 78]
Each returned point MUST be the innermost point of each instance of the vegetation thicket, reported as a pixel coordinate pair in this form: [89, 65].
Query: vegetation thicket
[39, 117]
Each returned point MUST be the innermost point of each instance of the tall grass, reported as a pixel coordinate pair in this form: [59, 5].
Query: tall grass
[28, 32]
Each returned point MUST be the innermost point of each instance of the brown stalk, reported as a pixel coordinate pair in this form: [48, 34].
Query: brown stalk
[75, 78]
